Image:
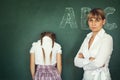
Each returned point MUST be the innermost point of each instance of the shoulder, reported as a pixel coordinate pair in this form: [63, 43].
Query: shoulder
[104, 35]
[57, 45]
[57, 48]
[36, 43]
[89, 35]
[107, 36]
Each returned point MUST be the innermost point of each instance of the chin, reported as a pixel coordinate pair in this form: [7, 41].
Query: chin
[94, 30]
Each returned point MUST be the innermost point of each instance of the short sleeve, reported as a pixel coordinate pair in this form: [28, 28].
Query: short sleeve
[58, 48]
[32, 50]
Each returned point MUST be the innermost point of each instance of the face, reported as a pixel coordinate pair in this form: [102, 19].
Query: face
[47, 41]
[95, 24]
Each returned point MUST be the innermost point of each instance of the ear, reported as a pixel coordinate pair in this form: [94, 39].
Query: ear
[104, 21]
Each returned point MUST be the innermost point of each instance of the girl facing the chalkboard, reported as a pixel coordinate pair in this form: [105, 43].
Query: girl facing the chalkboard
[45, 58]
[96, 49]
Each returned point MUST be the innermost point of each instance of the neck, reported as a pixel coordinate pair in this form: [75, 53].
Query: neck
[94, 34]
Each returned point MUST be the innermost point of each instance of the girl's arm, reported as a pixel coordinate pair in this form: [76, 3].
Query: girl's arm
[32, 64]
[59, 62]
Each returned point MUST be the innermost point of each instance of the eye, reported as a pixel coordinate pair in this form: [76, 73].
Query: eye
[97, 20]
[90, 20]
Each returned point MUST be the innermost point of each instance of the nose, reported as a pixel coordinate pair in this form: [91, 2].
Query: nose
[93, 23]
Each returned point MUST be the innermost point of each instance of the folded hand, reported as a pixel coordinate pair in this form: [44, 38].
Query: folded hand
[80, 55]
[91, 58]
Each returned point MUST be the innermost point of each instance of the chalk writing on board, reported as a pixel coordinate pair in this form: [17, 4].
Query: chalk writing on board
[84, 12]
[69, 18]
[109, 26]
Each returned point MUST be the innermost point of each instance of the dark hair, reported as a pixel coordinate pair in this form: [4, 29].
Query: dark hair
[49, 34]
[53, 37]
[96, 13]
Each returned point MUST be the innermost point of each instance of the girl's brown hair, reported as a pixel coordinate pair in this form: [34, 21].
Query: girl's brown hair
[53, 37]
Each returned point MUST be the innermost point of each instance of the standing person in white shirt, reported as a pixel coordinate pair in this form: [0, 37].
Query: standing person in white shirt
[96, 49]
[45, 54]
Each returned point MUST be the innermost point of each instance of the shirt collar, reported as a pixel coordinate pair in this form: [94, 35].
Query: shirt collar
[99, 34]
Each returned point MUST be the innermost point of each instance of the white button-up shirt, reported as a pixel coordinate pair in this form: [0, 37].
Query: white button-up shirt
[101, 50]
[37, 50]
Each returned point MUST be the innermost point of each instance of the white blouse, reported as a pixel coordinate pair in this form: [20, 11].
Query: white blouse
[37, 50]
[101, 50]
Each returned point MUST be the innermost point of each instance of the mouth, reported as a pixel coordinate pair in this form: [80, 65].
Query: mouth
[93, 27]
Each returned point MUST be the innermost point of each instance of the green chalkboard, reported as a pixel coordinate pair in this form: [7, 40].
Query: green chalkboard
[22, 21]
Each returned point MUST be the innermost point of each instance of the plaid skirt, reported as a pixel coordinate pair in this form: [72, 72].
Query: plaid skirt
[47, 72]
